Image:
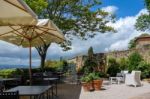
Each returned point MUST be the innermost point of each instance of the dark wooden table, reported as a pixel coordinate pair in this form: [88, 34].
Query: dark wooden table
[34, 92]
[53, 82]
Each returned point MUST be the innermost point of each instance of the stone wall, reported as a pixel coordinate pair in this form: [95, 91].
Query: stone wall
[102, 58]
[144, 52]
[78, 61]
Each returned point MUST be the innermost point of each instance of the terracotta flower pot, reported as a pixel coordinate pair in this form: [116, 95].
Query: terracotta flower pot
[87, 86]
[97, 84]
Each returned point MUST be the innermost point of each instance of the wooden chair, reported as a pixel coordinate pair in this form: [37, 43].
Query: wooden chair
[2, 86]
[9, 95]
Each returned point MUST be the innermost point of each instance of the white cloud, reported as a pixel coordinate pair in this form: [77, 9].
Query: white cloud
[126, 31]
[110, 9]
[11, 54]
[143, 11]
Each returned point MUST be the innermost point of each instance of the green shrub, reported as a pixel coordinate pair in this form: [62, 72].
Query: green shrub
[134, 60]
[113, 67]
[102, 74]
[123, 63]
[145, 69]
[57, 65]
[94, 76]
[91, 76]
[86, 78]
[5, 73]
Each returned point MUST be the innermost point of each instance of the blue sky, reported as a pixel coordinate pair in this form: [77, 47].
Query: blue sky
[126, 7]
[127, 11]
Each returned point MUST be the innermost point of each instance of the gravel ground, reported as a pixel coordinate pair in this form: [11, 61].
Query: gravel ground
[121, 91]
[114, 91]
[69, 91]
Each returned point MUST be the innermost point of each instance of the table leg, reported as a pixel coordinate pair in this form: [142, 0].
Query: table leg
[52, 92]
[110, 80]
[118, 82]
[47, 95]
[31, 97]
[56, 86]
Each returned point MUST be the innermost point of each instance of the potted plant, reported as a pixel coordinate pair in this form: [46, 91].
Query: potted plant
[97, 82]
[90, 72]
[87, 83]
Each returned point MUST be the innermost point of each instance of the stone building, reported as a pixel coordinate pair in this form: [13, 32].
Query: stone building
[142, 42]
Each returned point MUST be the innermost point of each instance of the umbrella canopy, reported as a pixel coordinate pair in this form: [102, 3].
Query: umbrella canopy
[44, 32]
[16, 12]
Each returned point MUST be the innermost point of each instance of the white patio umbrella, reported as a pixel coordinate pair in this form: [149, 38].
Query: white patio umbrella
[16, 12]
[44, 32]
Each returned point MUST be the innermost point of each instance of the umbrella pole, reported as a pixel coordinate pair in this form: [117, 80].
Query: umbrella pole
[30, 63]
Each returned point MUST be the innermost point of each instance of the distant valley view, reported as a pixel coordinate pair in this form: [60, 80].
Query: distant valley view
[7, 66]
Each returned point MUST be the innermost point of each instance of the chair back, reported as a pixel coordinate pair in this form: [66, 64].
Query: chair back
[1, 86]
[48, 74]
[125, 72]
[137, 74]
[9, 95]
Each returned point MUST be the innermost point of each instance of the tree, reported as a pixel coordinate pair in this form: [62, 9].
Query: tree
[132, 44]
[65, 66]
[90, 63]
[90, 52]
[79, 18]
[143, 21]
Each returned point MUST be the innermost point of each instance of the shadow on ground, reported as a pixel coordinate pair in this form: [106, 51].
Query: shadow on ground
[69, 91]
[142, 96]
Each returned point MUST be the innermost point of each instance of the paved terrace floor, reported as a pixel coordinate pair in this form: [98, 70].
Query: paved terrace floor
[114, 91]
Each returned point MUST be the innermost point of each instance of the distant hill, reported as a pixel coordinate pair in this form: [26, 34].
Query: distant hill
[5, 66]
